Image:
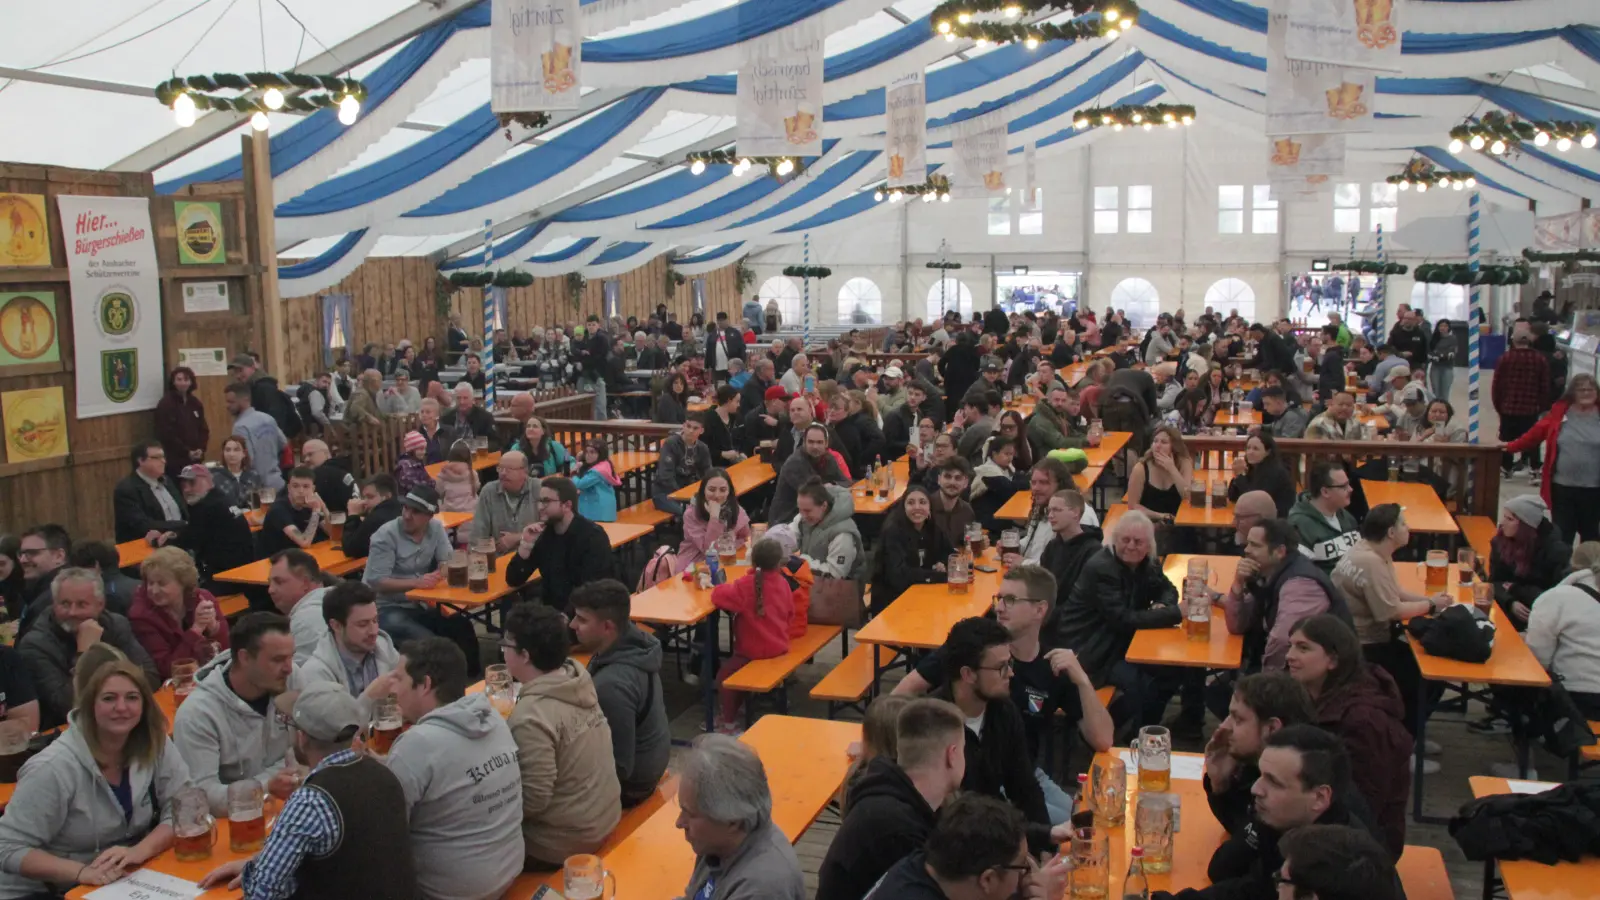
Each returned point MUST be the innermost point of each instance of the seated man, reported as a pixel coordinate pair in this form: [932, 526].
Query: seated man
[893, 803]
[951, 512]
[1322, 517]
[217, 533]
[345, 793]
[148, 505]
[75, 620]
[565, 548]
[335, 486]
[458, 767]
[1337, 862]
[1338, 421]
[227, 730]
[508, 504]
[570, 796]
[353, 651]
[978, 849]
[409, 554]
[725, 811]
[625, 664]
[18, 701]
[1260, 705]
[1120, 590]
[1289, 420]
[1058, 423]
[376, 508]
[103, 559]
[683, 461]
[42, 553]
[468, 419]
[296, 517]
[294, 584]
[1275, 586]
[1046, 683]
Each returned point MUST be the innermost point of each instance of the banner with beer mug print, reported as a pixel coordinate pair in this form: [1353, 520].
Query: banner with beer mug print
[535, 55]
[1313, 98]
[1360, 33]
[1295, 162]
[981, 158]
[116, 303]
[907, 137]
[780, 93]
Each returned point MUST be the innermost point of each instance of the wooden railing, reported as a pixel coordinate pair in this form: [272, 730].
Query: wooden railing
[619, 434]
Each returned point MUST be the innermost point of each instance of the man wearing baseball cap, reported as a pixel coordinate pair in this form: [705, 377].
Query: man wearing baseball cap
[345, 794]
[409, 554]
[217, 533]
[768, 421]
[891, 391]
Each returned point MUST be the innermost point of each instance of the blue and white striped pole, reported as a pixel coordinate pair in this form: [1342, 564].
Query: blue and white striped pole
[488, 317]
[1381, 328]
[1474, 307]
[805, 318]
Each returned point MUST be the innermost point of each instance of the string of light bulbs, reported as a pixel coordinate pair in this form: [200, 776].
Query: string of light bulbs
[1499, 133]
[1423, 174]
[937, 187]
[1134, 116]
[292, 91]
[1106, 19]
[777, 166]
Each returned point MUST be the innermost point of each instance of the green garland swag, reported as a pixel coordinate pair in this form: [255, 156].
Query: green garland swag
[730, 157]
[576, 284]
[1462, 274]
[808, 271]
[936, 184]
[743, 275]
[1532, 255]
[1129, 115]
[320, 91]
[1370, 267]
[505, 278]
[1114, 17]
[944, 265]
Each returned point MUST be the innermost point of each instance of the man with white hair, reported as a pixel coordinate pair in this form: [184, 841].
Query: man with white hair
[469, 419]
[725, 812]
[77, 620]
[794, 380]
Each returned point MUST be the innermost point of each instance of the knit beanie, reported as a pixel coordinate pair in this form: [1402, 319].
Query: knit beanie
[1528, 509]
[414, 441]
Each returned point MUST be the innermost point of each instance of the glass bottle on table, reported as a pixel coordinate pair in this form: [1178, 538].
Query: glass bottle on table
[1136, 886]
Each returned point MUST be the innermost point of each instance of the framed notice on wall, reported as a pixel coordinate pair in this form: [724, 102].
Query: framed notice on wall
[200, 237]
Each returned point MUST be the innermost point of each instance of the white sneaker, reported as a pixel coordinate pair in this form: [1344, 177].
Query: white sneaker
[1430, 767]
[1509, 770]
[1431, 748]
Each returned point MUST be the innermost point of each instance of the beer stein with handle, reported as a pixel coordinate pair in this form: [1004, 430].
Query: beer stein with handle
[193, 825]
[584, 877]
[247, 816]
[1152, 751]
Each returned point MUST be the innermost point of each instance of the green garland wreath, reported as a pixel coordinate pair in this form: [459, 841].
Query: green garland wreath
[1462, 274]
[944, 265]
[505, 278]
[1513, 132]
[1572, 256]
[1128, 115]
[1090, 19]
[808, 271]
[1370, 267]
[938, 185]
[314, 92]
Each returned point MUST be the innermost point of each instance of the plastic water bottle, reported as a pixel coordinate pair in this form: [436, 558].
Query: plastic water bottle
[1136, 886]
[714, 566]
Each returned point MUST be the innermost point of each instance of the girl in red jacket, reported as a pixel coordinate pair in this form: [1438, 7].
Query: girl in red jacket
[761, 605]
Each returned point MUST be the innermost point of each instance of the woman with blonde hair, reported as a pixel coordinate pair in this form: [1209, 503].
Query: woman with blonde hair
[92, 805]
[877, 739]
[172, 616]
[1158, 483]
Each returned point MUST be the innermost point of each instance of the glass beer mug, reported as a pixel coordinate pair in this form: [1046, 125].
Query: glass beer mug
[387, 724]
[584, 877]
[727, 548]
[478, 572]
[247, 816]
[1152, 752]
[498, 687]
[484, 546]
[1097, 433]
[1154, 820]
[1091, 863]
[1438, 575]
[196, 830]
[958, 575]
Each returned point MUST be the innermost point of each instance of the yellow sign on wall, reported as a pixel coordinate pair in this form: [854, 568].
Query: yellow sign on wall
[200, 236]
[35, 423]
[24, 231]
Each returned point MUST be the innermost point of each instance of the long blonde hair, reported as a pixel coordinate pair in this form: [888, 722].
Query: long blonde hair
[148, 738]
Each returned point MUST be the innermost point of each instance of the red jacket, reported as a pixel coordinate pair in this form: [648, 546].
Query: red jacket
[166, 640]
[757, 636]
[1547, 429]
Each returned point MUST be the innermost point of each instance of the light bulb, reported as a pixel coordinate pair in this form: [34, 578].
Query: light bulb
[877, 196]
[1564, 144]
[1031, 43]
[1422, 188]
[1588, 141]
[950, 38]
[1148, 126]
[894, 196]
[963, 18]
[1125, 24]
[944, 198]
[1008, 190]
[1081, 124]
[698, 167]
[1188, 120]
[349, 109]
[1113, 14]
[738, 171]
[944, 27]
[927, 198]
[1105, 120]
[1404, 186]
[1172, 124]
[982, 42]
[1458, 185]
[745, 162]
[1168, 117]
[1498, 147]
[259, 121]
[1111, 34]
[1013, 11]
[1540, 139]
[183, 108]
[1117, 126]
[273, 98]
[1477, 142]
[1471, 182]
[1137, 118]
[1456, 146]
[786, 166]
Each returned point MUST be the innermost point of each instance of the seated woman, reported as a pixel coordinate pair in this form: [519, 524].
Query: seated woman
[713, 512]
[1564, 629]
[1527, 556]
[1012, 426]
[911, 550]
[457, 481]
[1261, 468]
[172, 617]
[88, 807]
[672, 404]
[1157, 485]
[597, 483]
[545, 454]
[1362, 705]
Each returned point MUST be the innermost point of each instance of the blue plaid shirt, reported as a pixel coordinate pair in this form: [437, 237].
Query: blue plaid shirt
[308, 826]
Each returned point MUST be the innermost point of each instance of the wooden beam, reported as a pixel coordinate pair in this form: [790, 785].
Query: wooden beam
[257, 157]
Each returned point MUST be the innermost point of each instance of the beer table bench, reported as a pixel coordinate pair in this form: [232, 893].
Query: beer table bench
[675, 608]
[1172, 646]
[806, 761]
[866, 494]
[1510, 663]
[326, 553]
[746, 475]
[1424, 512]
[1525, 879]
[921, 617]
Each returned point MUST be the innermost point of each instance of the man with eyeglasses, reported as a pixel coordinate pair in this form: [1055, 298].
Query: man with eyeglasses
[148, 505]
[977, 851]
[1044, 679]
[565, 548]
[506, 505]
[1322, 517]
[42, 554]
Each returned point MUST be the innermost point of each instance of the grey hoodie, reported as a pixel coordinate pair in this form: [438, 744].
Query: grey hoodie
[627, 678]
[326, 664]
[458, 766]
[64, 807]
[223, 740]
[307, 625]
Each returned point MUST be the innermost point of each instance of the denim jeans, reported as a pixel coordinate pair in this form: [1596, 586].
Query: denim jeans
[596, 384]
[664, 502]
[411, 622]
[1440, 379]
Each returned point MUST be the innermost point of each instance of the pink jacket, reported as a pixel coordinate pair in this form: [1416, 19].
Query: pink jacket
[457, 493]
[699, 535]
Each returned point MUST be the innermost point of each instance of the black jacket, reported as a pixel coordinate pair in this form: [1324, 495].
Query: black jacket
[754, 395]
[959, 368]
[1264, 597]
[1552, 560]
[757, 430]
[335, 486]
[996, 322]
[735, 346]
[1108, 604]
[1134, 383]
[1273, 354]
[871, 440]
[1271, 477]
[1411, 343]
[565, 561]
[591, 352]
[51, 654]
[1065, 561]
[907, 879]
[1000, 765]
[1330, 373]
[358, 530]
[887, 820]
[138, 512]
[479, 423]
[218, 534]
[906, 557]
[898, 428]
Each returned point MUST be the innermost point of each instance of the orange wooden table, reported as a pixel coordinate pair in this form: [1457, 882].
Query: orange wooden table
[624, 462]
[747, 475]
[1226, 419]
[1528, 880]
[1423, 510]
[923, 616]
[806, 762]
[1171, 646]
[480, 461]
[1020, 506]
[1111, 443]
[454, 519]
[1192, 845]
[464, 599]
[131, 554]
[1213, 516]
[326, 553]
[866, 495]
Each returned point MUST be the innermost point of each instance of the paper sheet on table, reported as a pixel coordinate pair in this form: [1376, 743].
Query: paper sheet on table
[1191, 768]
[147, 884]
[1529, 787]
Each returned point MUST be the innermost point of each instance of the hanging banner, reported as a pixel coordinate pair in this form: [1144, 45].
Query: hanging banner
[116, 303]
[780, 93]
[1313, 98]
[907, 137]
[1360, 33]
[1568, 232]
[535, 55]
[1030, 177]
[1293, 161]
[980, 145]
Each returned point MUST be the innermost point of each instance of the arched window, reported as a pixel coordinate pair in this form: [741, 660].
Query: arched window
[860, 303]
[782, 289]
[1441, 301]
[1230, 294]
[949, 294]
[1139, 298]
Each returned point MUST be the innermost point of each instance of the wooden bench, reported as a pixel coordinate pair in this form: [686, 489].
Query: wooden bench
[847, 684]
[1479, 531]
[1113, 513]
[643, 514]
[529, 882]
[763, 676]
[1423, 875]
[232, 605]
